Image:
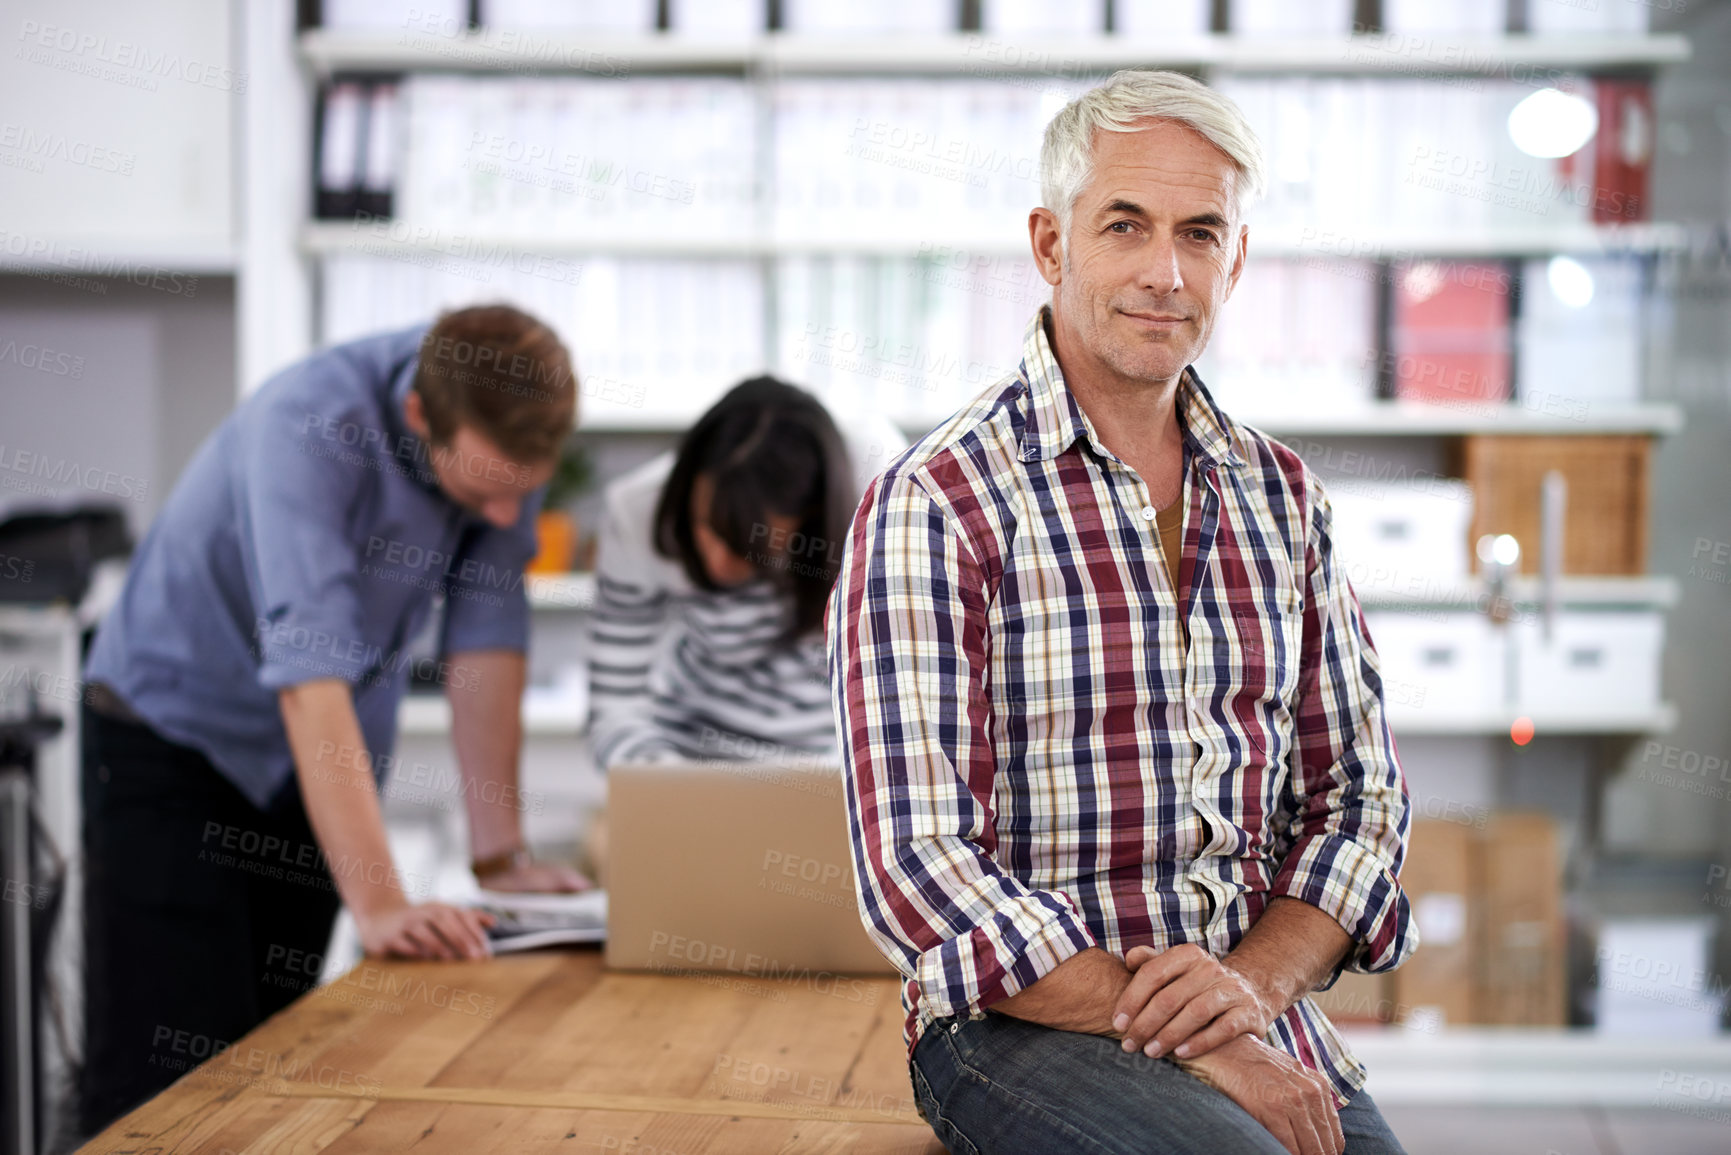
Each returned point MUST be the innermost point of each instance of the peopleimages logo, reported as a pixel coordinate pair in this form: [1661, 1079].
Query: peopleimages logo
[42, 359]
[22, 469]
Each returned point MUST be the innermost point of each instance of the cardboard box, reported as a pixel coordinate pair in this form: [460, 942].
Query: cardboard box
[1358, 1000]
[1521, 965]
[1436, 984]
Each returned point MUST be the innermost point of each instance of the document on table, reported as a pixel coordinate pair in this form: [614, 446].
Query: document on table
[530, 921]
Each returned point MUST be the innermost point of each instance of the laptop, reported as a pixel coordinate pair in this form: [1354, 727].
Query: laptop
[739, 867]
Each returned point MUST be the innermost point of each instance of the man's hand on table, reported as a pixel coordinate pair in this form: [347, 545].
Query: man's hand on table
[537, 878]
[1295, 1103]
[1185, 1002]
[428, 930]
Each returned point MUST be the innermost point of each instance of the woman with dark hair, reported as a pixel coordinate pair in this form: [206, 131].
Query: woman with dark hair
[714, 566]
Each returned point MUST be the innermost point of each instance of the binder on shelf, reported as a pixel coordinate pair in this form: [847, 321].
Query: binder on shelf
[1579, 332]
[617, 17]
[883, 18]
[1622, 150]
[717, 19]
[342, 133]
[381, 150]
[1162, 17]
[1286, 18]
[1450, 333]
[1565, 17]
[445, 15]
[1297, 336]
[1452, 17]
[1043, 17]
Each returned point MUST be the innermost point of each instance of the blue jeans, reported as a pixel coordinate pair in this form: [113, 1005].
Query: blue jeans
[1000, 1084]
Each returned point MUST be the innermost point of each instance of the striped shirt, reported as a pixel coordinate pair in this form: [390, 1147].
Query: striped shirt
[676, 671]
[1037, 762]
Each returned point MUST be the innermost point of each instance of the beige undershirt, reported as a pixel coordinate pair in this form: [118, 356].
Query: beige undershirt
[1170, 522]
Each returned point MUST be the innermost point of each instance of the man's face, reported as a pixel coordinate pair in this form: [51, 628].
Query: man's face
[1153, 250]
[476, 475]
[474, 472]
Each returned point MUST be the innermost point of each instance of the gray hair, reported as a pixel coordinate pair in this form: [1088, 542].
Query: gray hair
[1128, 98]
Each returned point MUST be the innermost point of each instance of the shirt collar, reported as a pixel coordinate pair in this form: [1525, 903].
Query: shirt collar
[1055, 421]
[414, 455]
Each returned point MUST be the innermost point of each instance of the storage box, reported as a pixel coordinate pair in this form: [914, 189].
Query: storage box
[1436, 984]
[1654, 978]
[1520, 958]
[1605, 526]
[1439, 666]
[1402, 538]
[1593, 664]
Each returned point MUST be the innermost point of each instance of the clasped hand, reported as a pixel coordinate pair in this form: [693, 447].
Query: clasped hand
[1185, 1002]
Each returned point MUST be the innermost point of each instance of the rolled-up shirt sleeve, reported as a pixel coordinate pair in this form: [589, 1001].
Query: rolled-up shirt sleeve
[302, 568]
[909, 652]
[486, 605]
[1347, 797]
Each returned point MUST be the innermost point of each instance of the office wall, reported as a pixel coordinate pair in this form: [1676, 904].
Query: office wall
[118, 121]
[1656, 806]
[154, 375]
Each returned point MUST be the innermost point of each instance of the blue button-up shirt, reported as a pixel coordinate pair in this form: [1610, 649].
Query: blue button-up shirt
[307, 540]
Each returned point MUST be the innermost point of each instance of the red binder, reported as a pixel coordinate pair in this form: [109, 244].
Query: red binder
[1451, 331]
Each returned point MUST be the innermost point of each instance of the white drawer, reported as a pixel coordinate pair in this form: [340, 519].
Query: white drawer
[1402, 538]
[1440, 665]
[1594, 663]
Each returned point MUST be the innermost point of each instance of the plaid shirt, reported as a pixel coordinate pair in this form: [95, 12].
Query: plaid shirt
[1039, 760]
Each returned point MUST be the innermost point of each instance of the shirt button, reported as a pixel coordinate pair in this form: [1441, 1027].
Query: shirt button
[1147, 513]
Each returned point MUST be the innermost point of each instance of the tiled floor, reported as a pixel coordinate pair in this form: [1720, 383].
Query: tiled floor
[1557, 1131]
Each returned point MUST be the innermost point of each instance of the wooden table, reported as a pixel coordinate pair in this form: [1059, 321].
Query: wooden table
[549, 1051]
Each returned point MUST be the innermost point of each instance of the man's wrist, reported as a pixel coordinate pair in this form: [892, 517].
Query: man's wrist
[1271, 993]
[382, 902]
[503, 862]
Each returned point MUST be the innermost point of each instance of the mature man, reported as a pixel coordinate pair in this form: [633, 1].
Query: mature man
[1121, 786]
[242, 695]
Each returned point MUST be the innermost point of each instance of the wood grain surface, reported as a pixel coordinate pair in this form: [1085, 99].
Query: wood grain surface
[551, 1052]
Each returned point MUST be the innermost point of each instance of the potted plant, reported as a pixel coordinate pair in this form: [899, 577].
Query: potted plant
[556, 526]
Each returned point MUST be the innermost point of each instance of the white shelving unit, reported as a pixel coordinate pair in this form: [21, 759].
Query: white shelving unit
[1376, 419]
[1410, 723]
[406, 239]
[104, 256]
[1655, 592]
[1512, 1066]
[764, 58]
[493, 50]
